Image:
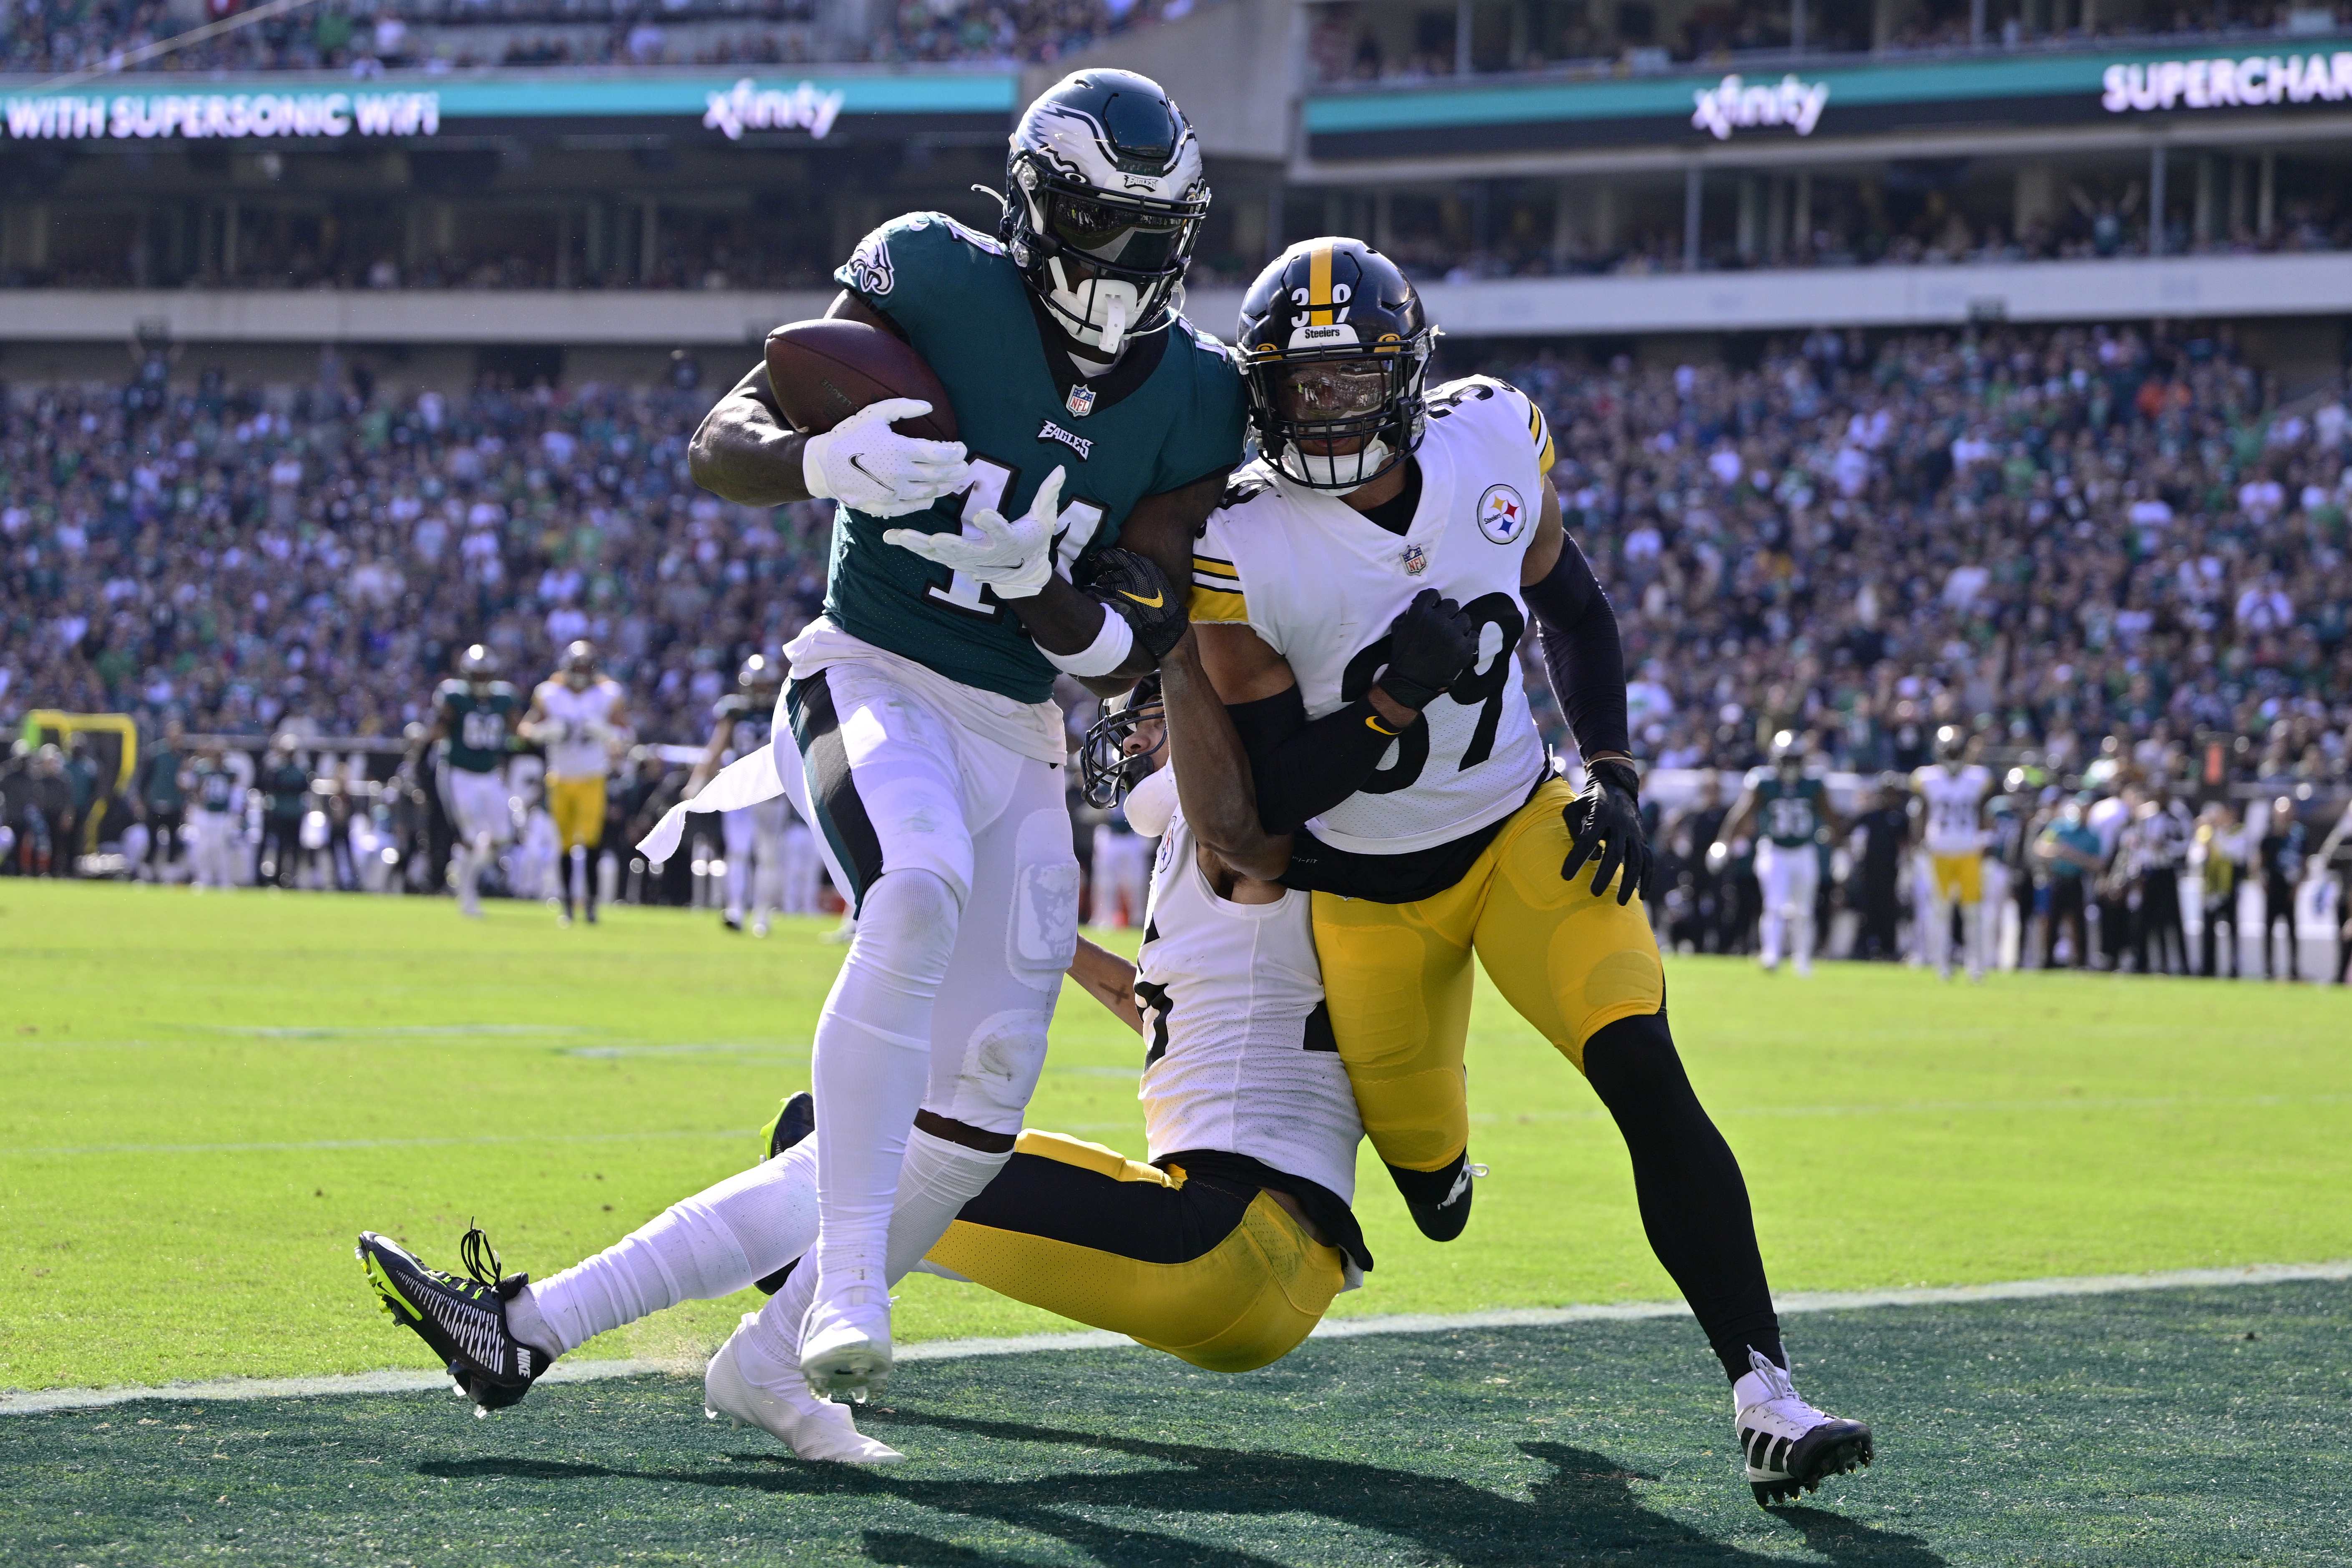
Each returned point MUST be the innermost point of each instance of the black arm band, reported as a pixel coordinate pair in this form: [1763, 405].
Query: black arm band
[1303, 770]
[1578, 630]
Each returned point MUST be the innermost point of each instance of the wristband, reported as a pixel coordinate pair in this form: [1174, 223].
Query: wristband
[1101, 656]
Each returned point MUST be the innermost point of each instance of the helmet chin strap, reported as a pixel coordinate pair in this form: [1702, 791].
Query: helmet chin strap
[1321, 470]
[1103, 311]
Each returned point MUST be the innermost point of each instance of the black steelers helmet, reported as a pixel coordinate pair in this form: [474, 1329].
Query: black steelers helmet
[1335, 347]
[1104, 765]
[1104, 202]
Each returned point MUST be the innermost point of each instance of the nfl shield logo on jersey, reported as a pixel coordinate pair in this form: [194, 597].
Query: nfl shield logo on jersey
[1501, 514]
[1415, 561]
[1081, 402]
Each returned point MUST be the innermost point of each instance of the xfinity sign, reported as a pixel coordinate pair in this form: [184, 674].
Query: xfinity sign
[1735, 105]
[2256, 80]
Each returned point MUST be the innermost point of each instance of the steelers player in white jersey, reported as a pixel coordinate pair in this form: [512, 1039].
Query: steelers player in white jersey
[1223, 1250]
[1952, 794]
[1359, 600]
[580, 717]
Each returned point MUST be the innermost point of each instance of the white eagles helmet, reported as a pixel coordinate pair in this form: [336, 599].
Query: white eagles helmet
[1104, 202]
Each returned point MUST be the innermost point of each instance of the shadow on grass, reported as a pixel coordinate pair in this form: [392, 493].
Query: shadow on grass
[1585, 1511]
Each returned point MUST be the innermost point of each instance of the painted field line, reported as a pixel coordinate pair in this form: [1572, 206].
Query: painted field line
[372, 1144]
[407, 1382]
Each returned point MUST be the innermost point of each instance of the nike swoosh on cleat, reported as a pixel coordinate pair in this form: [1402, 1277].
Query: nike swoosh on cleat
[1153, 602]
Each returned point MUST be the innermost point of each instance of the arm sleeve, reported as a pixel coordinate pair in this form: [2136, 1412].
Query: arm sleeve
[1303, 770]
[1578, 630]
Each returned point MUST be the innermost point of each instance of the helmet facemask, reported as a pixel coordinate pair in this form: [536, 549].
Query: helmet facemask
[1338, 420]
[1109, 763]
[1109, 267]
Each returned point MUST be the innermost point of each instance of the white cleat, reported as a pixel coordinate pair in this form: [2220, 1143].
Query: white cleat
[1790, 1448]
[1804, 967]
[759, 925]
[811, 1427]
[846, 1343]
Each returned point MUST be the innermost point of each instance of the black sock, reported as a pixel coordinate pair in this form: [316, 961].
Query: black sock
[1694, 1204]
[564, 866]
[588, 884]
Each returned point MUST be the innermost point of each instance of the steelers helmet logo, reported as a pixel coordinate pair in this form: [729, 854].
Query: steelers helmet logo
[1502, 515]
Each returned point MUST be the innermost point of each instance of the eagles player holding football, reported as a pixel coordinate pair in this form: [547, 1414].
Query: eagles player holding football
[1223, 1250]
[580, 717]
[1426, 820]
[920, 737]
[473, 719]
[1790, 811]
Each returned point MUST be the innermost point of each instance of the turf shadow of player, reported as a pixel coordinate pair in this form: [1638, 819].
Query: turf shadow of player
[1586, 1509]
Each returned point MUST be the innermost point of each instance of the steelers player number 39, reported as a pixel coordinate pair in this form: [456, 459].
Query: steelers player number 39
[1482, 688]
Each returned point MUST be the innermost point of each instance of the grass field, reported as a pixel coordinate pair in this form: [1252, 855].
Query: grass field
[206, 1097]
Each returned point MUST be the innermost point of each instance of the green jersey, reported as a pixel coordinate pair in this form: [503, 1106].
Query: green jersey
[1787, 814]
[1169, 412]
[476, 723]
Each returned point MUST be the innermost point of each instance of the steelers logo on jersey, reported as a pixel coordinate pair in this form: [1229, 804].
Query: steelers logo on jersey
[1502, 514]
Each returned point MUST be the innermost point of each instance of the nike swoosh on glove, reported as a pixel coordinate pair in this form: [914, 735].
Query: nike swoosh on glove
[1133, 586]
[1013, 557]
[1605, 827]
[870, 467]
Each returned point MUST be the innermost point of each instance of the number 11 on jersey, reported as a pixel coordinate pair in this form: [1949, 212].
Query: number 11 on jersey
[991, 482]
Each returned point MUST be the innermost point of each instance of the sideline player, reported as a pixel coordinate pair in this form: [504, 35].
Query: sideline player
[217, 816]
[473, 715]
[1952, 793]
[922, 740]
[1223, 1251]
[1427, 821]
[1790, 811]
[582, 717]
[740, 723]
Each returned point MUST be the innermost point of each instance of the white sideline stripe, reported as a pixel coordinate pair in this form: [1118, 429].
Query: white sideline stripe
[372, 1144]
[407, 1382]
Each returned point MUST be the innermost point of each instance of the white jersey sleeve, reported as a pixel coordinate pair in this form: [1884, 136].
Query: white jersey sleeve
[1321, 583]
[1955, 804]
[583, 720]
[1239, 1056]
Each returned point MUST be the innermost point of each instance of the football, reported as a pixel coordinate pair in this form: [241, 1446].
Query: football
[823, 372]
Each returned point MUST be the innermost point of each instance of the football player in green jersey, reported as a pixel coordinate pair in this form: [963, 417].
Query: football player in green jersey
[473, 717]
[917, 733]
[1788, 811]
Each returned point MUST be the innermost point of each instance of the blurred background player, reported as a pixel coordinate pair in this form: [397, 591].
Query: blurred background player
[1952, 791]
[212, 819]
[162, 803]
[1123, 863]
[2224, 868]
[754, 835]
[2072, 856]
[581, 716]
[473, 716]
[285, 786]
[1790, 814]
[1882, 834]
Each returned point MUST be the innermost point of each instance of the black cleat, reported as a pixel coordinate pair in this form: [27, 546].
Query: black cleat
[1790, 1448]
[796, 1119]
[732, 923]
[463, 1321]
[1439, 1200]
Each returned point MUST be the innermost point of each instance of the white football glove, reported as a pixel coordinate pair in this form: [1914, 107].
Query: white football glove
[1016, 558]
[870, 467]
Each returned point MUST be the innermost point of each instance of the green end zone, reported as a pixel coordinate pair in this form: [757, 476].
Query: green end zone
[2169, 1427]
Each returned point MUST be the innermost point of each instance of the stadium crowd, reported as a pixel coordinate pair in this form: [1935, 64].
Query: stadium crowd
[2090, 547]
[367, 37]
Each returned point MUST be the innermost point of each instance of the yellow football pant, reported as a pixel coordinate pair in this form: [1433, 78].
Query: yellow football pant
[578, 808]
[1398, 977]
[1065, 1216]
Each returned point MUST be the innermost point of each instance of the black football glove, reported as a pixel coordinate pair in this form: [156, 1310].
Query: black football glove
[1605, 827]
[1430, 645]
[1134, 586]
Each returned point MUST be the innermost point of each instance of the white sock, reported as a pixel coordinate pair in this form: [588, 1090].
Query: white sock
[1770, 939]
[1800, 926]
[1973, 922]
[936, 1181]
[873, 1063]
[1939, 934]
[701, 1248]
